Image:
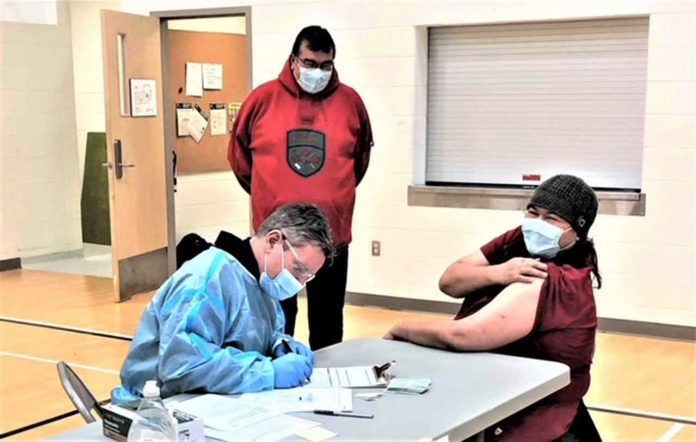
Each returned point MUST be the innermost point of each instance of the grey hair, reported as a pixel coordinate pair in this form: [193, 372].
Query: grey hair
[302, 224]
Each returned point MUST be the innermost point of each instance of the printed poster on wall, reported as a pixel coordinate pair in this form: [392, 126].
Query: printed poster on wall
[184, 111]
[198, 123]
[143, 97]
[212, 76]
[194, 79]
[218, 119]
[232, 112]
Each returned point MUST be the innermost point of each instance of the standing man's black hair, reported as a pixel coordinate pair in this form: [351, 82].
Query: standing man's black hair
[318, 40]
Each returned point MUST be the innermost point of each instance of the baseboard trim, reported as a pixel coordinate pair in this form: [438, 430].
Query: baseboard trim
[652, 329]
[640, 328]
[395, 303]
[10, 264]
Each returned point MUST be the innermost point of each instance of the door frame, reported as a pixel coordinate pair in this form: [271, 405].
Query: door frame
[168, 103]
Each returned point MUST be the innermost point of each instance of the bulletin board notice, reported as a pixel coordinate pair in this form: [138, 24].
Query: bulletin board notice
[231, 52]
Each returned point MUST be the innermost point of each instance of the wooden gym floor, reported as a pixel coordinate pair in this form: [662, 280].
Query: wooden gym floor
[652, 375]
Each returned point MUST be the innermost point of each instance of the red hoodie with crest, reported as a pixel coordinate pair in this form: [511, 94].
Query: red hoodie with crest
[288, 145]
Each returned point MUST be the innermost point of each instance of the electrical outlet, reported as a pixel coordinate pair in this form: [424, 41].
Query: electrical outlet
[376, 248]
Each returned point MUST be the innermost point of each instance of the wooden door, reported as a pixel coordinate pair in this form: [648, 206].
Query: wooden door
[140, 197]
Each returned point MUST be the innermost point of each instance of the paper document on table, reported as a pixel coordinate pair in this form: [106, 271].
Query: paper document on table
[410, 386]
[270, 430]
[303, 399]
[225, 413]
[355, 377]
[316, 434]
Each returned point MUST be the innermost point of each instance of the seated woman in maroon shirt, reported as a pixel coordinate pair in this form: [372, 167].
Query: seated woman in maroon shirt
[529, 293]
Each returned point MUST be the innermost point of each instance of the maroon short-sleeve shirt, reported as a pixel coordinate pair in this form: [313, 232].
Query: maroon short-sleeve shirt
[563, 331]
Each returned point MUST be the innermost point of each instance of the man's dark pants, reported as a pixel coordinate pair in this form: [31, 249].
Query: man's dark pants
[326, 295]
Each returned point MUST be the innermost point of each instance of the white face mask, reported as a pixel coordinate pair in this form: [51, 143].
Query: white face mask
[284, 285]
[313, 80]
[541, 238]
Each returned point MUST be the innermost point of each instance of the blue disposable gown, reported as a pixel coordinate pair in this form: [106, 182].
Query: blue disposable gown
[208, 328]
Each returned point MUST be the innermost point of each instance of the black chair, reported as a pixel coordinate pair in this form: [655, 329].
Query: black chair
[189, 247]
[582, 429]
[78, 393]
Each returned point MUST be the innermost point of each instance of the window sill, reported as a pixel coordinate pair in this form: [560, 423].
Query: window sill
[611, 203]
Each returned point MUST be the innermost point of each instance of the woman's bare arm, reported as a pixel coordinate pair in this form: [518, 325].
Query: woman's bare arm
[507, 318]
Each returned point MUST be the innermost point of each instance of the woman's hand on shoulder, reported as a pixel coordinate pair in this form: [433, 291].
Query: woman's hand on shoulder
[524, 270]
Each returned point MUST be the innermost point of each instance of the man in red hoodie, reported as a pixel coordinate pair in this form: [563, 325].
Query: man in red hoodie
[305, 136]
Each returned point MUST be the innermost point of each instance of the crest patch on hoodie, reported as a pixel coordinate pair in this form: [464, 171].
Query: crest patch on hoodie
[306, 151]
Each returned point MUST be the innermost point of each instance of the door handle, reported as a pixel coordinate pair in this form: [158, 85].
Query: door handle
[118, 160]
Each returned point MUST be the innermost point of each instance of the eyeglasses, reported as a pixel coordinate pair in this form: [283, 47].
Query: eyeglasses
[311, 64]
[300, 268]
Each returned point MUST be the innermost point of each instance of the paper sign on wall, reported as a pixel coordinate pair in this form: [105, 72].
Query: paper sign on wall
[143, 98]
[212, 76]
[198, 123]
[218, 119]
[232, 112]
[194, 79]
[184, 112]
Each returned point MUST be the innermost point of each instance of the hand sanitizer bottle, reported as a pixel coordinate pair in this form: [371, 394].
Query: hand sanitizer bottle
[154, 423]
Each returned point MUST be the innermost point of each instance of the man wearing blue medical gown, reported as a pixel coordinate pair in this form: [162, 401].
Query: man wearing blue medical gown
[216, 325]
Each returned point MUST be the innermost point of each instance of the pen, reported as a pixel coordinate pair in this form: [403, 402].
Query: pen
[342, 413]
[386, 366]
[288, 349]
[382, 370]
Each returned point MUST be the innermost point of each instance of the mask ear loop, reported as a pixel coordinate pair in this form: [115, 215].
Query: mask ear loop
[571, 244]
[282, 257]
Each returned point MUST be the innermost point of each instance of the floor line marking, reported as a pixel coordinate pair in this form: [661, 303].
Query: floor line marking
[640, 413]
[54, 362]
[68, 328]
[669, 435]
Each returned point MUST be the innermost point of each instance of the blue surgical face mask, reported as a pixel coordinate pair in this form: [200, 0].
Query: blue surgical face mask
[313, 80]
[541, 238]
[284, 285]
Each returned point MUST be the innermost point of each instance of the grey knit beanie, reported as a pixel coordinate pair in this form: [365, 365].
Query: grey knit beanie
[570, 198]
